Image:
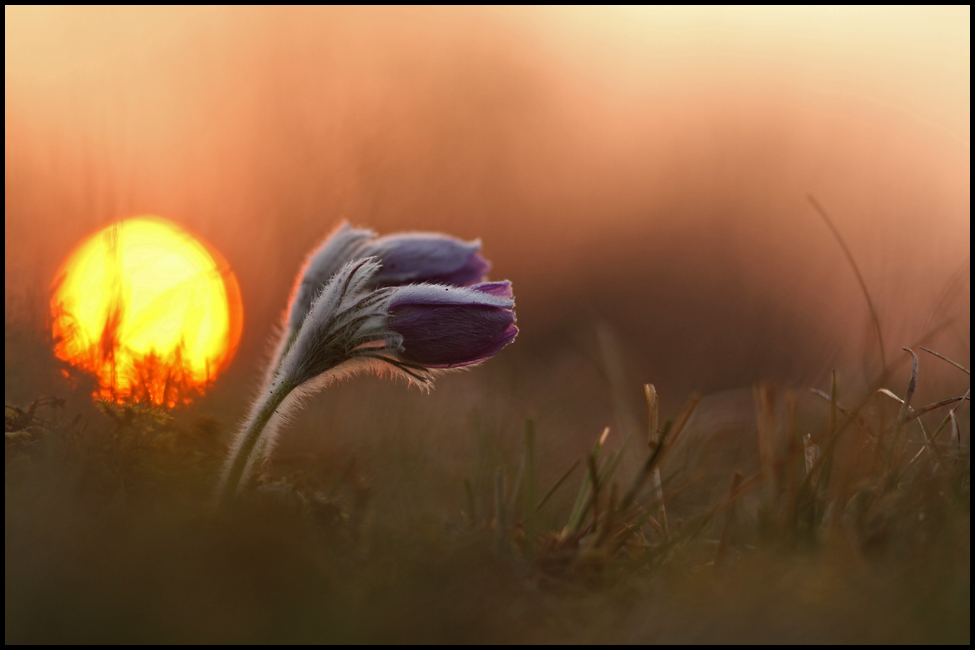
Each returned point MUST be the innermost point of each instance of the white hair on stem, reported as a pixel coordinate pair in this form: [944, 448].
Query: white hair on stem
[289, 407]
[344, 333]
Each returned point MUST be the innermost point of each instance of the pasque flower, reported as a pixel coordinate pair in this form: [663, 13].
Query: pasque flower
[404, 258]
[355, 324]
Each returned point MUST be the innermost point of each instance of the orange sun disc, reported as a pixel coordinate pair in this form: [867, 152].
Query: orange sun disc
[147, 308]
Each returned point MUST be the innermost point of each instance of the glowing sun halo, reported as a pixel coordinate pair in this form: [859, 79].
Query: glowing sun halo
[149, 310]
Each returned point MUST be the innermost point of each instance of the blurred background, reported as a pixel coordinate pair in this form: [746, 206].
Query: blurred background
[641, 175]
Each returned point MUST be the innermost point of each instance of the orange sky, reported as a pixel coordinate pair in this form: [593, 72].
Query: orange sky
[661, 153]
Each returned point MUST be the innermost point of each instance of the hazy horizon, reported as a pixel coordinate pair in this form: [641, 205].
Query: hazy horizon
[647, 169]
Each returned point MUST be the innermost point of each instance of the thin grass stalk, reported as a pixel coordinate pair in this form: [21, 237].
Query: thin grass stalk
[683, 418]
[855, 416]
[582, 502]
[243, 453]
[949, 419]
[500, 516]
[594, 481]
[955, 432]
[609, 466]
[552, 490]
[513, 499]
[531, 490]
[765, 426]
[856, 270]
[906, 403]
[944, 358]
[928, 445]
[608, 518]
[792, 462]
[667, 436]
[724, 543]
[645, 472]
[653, 408]
[654, 438]
[825, 464]
[658, 489]
[834, 403]
[631, 528]
[936, 405]
[951, 414]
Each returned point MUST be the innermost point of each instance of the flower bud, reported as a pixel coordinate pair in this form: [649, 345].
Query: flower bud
[427, 257]
[343, 245]
[351, 325]
[404, 258]
[445, 327]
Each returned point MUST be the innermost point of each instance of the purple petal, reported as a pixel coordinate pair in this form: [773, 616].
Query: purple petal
[500, 289]
[507, 337]
[438, 294]
[427, 257]
[445, 335]
[473, 271]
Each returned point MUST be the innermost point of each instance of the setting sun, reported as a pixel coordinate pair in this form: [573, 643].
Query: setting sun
[148, 309]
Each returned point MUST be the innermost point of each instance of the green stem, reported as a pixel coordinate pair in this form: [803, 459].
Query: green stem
[244, 452]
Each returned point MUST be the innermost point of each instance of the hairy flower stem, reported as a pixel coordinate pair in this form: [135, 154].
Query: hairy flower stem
[243, 454]
[283, 353]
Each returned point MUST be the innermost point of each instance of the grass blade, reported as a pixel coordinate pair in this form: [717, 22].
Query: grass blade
[856, 270]
[531, 489]
[725, 542]
[581, 504]
[944, 358]
[557, 485]
[654, 437]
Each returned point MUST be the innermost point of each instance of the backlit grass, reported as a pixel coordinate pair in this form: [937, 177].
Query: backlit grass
[850, 520]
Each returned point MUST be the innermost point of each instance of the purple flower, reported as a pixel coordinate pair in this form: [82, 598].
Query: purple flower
[446, 327]
[405, 258]
[426, 257]
[353, 325]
